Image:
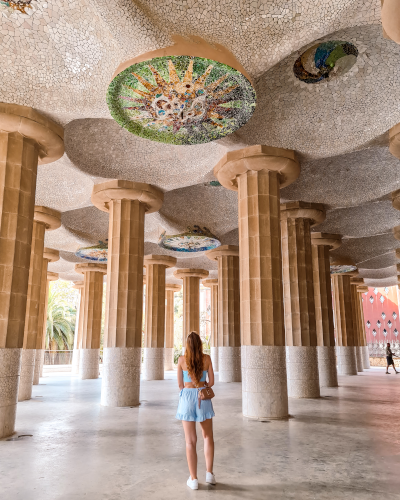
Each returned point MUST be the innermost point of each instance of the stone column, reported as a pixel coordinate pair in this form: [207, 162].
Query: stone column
[343, 313]
[91, 322]
[79, 285]
[355, 282]
[298, 292]
[26, 138]
[322, 243]
[49, 255]
[44, 219]
[213, 285]
[229, 345]
[361, 289]
[170, 291]
[191, 300]
[153, 358]
[257, 173]
[127, 202]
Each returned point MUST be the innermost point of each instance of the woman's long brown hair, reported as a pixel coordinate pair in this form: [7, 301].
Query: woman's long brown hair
[194, 357]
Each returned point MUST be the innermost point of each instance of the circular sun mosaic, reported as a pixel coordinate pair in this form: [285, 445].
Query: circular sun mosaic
[194, 240]
[96, 253]
[181, 99]
[326, 60]
[343, 269]
[20, 5]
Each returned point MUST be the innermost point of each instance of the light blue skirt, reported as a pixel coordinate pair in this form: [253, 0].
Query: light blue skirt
[188, 407]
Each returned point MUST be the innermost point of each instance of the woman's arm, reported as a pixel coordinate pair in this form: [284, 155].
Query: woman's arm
[180, 374]
[210, 371]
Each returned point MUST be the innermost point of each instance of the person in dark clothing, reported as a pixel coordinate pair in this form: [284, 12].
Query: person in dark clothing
[389, 359]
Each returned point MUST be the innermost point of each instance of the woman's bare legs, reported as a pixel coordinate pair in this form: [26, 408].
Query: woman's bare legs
[207, 429]
[191, 440]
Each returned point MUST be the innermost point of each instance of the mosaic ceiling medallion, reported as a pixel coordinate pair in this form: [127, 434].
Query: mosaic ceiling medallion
[181, 99]
[96, 253]
[326, 60]
[194, 240]
[343, 269]
[20, 5]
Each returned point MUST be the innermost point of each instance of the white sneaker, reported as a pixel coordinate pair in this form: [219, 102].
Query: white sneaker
[193, 483]
[210, 478]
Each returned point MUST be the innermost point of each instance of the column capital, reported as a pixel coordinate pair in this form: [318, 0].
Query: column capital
[356, 281]
[397, 253]
[223, 250]
[162, 260]
[256, 158]
[346, 263]
[147, 194]
[84, 267]
[51, 255]
[303, 210]
[362, 288]
[173, 288]
[390, 14]
[396, 231]
[210, 282]
[398, 267]
[29, 123]
[332, 241]
[52, 276]
[78, 285]
[191, 273]
[49, 217]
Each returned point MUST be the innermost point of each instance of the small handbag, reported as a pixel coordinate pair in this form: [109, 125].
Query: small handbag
[204, 393]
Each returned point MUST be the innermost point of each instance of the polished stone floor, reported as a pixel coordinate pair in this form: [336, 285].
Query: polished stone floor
[345, 445]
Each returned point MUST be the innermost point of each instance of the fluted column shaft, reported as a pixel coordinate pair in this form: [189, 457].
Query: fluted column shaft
[213, 285]
[364, 346]
[169, 329]
[357, 326]
[78, 328]
[191, 306]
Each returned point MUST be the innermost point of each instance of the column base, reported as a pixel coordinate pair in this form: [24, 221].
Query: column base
[153, 363]
[89, 363]
[302, 372]
[75, 361]
[121, 376]
[169, 358]
[28, 357]
[229, 363]
[214, 358]
[10, 368]
[366, 363]
[346, 360]
[39, 360]
[264, 382]
[327, 370]
[359, 358]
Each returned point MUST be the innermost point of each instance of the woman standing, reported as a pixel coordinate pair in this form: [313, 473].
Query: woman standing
[193, 368]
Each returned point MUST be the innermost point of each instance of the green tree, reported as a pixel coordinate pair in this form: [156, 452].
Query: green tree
[61, 318]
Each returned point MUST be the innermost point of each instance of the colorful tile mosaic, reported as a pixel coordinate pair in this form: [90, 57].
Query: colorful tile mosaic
[20, 5]
[343, 269]
[194, 240]
[325, 60]
[96, 253]
[181, 99]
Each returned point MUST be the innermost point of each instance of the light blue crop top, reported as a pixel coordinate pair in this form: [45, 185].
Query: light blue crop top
[186, 376]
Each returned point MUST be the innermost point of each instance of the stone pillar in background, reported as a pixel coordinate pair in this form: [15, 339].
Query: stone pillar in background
[257, 173]
[153, 359]
[26, 138]
[355, 282]
[229, 346]
[365, 352]
[91, 325]
[127, 203]
[343, 313]
[191, 300]
[213, 285]
[298, 292]
[79, 285]
[170, 291]
[49, 255]
[322, 243]
[44, 219]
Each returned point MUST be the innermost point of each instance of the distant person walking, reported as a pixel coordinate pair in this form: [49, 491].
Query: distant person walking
[193, 369]
[389, 359]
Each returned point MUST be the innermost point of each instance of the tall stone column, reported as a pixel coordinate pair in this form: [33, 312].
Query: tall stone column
[229, 346]
[361, 289]
[191, 300]
[170, 290]
[78, 285]
[26, 139]
[298, 292]
[257, 173]
[355, 282]
[91, 322]
[49, 255]
[44, 219]
[213, 285]
[322, 243]
[153, 359]
[343, 313]
[127, 203]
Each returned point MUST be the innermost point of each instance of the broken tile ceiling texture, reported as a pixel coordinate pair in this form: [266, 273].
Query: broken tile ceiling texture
[60, 57]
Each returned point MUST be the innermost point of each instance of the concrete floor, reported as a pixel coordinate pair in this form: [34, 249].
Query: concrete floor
[345, 445]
